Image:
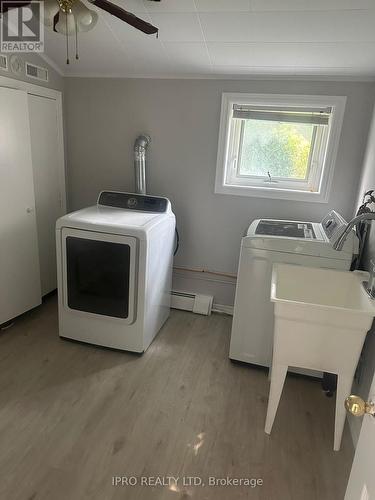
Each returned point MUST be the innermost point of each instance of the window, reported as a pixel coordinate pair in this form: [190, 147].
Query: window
[278, 146]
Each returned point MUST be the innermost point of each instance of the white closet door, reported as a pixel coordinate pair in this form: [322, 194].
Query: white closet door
[19, 259]
[46, 153]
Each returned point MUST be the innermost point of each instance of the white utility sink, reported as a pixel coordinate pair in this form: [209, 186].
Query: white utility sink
[321, 320]
[338, 293]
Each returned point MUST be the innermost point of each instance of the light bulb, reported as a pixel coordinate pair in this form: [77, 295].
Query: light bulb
[85, 18]
[51, 8]
[65, 21]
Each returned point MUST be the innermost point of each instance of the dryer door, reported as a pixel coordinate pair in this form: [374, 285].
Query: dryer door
[99, 273]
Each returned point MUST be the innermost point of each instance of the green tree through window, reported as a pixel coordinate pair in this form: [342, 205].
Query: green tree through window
[283, 149]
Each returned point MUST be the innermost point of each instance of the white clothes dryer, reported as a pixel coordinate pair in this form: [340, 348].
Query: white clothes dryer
[114, 263]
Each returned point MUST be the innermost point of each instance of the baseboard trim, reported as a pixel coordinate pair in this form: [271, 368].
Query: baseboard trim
[222, 309]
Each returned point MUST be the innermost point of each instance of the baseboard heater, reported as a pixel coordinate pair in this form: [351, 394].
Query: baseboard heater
[195, 302]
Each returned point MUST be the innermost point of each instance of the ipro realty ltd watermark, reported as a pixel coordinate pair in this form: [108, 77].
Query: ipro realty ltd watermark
[21, 26]
[174, 482]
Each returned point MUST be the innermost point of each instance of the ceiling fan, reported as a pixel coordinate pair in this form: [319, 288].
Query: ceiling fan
[69, 17]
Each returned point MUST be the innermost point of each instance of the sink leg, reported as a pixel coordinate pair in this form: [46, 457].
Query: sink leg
[278, 375]
[344, 385]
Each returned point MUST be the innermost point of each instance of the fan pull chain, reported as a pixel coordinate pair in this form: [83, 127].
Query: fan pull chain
[77, 56]
[67, 39]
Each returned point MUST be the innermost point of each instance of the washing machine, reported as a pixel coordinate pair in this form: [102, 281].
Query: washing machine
[114, 264]
[266, 242]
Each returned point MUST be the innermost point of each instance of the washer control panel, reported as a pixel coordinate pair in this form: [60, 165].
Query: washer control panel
[332, 223]
[286, 229]
[132, 201]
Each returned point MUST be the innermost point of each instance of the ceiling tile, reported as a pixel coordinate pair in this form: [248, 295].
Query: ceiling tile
[277, 5]
[170, 6]
[285, 37]
[193, 57]
[349, 55]
[308, 55]
[178, 27]
[125, 33]
[222, 5]
[251, 54]
[146, 67]
[135, 6]
[289, 27]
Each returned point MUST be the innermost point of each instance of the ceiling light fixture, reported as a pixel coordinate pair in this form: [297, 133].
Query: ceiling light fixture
[69, 17]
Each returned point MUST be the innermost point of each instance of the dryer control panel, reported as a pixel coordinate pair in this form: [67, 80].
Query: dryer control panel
[132, 201]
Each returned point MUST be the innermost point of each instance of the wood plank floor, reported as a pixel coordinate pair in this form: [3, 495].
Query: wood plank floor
[73, 416]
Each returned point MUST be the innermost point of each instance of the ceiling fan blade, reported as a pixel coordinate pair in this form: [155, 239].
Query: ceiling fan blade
[126, 16]
[56, 18]
[5, 6]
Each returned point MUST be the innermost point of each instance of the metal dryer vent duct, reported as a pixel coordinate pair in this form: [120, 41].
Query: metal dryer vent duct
[140, 148]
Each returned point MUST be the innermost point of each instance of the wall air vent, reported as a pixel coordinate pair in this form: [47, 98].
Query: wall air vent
[3, 62]
[36, 72]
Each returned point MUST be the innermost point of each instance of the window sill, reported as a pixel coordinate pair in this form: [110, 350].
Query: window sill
[272, 193]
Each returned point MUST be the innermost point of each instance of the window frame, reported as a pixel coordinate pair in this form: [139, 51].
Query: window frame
[322, 178]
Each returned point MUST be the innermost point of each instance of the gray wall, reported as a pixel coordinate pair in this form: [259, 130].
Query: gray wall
[56, 81]
[103, 117]
[367, 364]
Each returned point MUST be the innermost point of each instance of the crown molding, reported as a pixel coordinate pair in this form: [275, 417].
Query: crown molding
[177, 76]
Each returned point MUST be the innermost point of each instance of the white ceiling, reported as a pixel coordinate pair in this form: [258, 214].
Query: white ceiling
[228, 37]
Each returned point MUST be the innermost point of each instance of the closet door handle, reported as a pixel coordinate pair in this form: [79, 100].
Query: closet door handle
[29, 210]
[358, 407]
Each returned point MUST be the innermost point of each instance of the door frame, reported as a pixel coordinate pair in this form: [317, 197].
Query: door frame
[56, 95]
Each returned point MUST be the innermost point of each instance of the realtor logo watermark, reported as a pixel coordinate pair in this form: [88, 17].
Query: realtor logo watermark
[22, 28]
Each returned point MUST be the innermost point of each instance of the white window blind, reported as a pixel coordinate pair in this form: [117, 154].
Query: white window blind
[315, 116]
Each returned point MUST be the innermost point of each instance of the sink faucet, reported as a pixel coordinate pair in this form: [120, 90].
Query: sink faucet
[339, 243]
